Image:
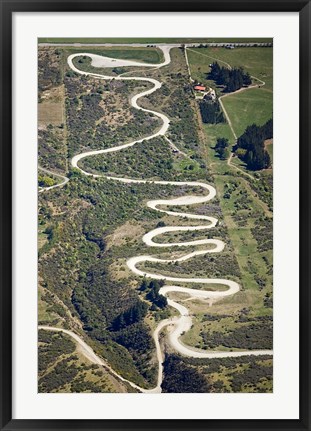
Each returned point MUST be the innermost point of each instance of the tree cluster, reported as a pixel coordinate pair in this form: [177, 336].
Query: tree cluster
[232, 79]
[133, 315]
[135, 337]
[153, 294]
[45, 181]
[211, 112]
[250, 146]
[222, 148]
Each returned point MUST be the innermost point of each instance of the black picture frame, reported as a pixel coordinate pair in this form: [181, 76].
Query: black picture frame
[7, 9]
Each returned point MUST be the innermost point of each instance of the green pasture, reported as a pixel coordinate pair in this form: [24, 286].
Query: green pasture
[248, 107]
[257, 61]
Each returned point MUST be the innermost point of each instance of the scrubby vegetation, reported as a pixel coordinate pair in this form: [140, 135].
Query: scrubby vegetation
[263, 234]
[154, 158]
[217, 265]
[249, 337]
[49, 68]
[74, 262]
[89, 102]
[52, 153]
[182, 378]
[241, 374]
[175, 99]
[61, 369]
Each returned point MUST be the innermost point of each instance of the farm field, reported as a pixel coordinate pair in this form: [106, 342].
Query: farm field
[253, 106]
[257, 61]
[51, 108]
[155, 249]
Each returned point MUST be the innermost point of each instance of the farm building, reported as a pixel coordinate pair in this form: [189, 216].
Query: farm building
[210, 95]
[199, 88]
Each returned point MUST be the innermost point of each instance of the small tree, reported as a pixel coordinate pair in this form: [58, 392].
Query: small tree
[45, 181]
[222, 149]
[143, 285]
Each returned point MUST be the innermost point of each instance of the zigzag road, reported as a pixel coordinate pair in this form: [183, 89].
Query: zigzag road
[183, 322]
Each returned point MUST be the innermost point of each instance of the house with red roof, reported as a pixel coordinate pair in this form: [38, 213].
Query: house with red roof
[199, 88]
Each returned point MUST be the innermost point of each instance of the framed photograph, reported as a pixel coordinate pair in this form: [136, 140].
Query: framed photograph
[155, 215]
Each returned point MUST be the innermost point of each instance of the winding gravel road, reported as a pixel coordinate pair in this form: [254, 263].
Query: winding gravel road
[61, 184]
[182, 323]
